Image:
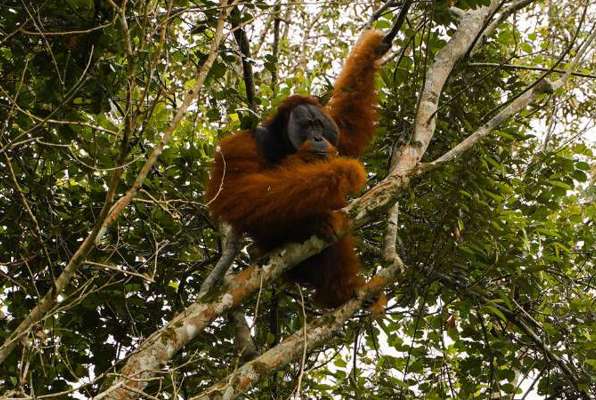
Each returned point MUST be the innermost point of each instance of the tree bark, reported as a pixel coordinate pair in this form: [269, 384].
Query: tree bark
[163, 344]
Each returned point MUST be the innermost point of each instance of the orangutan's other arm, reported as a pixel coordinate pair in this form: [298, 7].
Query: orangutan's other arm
[354, 100]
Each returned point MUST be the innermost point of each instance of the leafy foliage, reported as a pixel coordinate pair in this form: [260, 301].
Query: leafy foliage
[500, 243]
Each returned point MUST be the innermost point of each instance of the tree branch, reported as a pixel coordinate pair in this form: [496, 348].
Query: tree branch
[189, 98]
[399, 21]
[275, 48]
[390, 242]
[379, 12]
[506, 13]
[292, 347]
[109, 215]
[231, 247]
[530, 68]
[380, 197]
[244, 47]
[471, 24]
[243, 340]
[513, 108]
[320, 330]
[163, 344]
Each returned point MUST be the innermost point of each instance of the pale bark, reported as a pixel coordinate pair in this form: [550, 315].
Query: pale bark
[160, 347]
[230, 249]
[317, 332]
[471, 25]
[390, 239]
[512, 109]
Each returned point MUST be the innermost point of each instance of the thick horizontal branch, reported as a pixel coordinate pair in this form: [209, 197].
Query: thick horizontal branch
[292, 347]
[160, 347]
[164, 343]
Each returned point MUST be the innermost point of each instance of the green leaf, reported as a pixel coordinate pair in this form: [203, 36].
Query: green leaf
[494, 310]
[560, 184]
[340, 362]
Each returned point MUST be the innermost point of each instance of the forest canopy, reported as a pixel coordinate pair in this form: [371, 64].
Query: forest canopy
[477, 221]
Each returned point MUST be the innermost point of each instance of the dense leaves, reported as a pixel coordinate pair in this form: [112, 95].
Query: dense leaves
[498, 298]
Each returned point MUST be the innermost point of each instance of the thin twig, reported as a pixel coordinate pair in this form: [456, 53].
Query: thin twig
[304, 343]
[68, 33]
[379, 12]
[390, 240]
[531, 68]
[122, 271]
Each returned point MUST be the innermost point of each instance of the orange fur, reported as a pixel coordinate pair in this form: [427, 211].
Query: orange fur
[354, 101]
[291, 199]
[377, 309]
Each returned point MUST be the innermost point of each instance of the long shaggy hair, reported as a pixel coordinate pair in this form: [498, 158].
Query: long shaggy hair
[262, 188]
